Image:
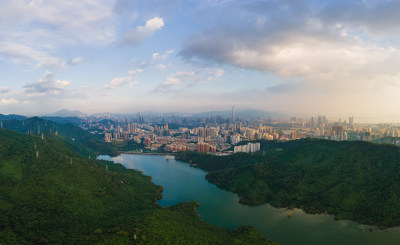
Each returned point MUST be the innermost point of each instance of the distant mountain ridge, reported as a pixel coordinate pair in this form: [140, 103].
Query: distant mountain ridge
[66, 113]
[243, 113]
[12, 116]
[239, 113]
[73, 120]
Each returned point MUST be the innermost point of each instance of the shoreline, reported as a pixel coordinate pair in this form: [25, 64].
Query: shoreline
[147, 153]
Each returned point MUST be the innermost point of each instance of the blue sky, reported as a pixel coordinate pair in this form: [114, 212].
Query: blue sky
[338, 58]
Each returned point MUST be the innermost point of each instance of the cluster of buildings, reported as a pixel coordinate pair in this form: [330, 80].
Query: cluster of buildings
[222, 135]
[207, 136]
[250, 147]
[205, 147]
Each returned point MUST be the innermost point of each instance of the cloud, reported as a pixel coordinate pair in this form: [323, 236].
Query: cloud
[46, 85]
[333, 46]
[182, 77]
[161, 67]
[217, 72]
[374, 17]
[157, 56]
[120, 81]
[75, 20]
[146, 8]
[9, 101]
[131, 84]
[76, 61]
[175, 80]
[22, 54]
[34, 32]
[117, 82]
[4, 90]
[137, 35]
[132, 73]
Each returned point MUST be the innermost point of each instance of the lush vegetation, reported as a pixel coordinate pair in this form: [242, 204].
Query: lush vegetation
[12, 116]
[65, 120]
[351, 180]
[77, 138]
[50, 193]
[127, 146]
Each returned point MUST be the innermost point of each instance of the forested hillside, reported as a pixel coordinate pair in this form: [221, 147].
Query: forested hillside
[351, 180]
[49, 193]
[77, 138]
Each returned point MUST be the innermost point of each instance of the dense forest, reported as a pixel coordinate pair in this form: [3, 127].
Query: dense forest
[352, 180]
[51, 193]
[78, 139]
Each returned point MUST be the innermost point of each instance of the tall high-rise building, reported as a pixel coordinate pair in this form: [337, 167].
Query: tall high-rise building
[233, 113]
[337, 130]
[351, 121]
[140, 118]
[128, 128]
[107, 137]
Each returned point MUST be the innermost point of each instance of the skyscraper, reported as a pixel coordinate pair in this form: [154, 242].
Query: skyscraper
[351, 121]
[233, 113]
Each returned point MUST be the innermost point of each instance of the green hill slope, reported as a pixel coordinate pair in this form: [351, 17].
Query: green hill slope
[50, 194]
[351, 180]
[76, 138]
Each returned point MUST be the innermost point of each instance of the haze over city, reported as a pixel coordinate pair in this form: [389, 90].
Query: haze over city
[301, 58]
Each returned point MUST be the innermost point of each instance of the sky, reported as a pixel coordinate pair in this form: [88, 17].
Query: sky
[302, 58]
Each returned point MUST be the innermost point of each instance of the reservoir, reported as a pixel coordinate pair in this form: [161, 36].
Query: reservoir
[183, 183]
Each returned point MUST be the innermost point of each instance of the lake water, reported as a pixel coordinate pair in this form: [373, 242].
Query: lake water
[182, 183]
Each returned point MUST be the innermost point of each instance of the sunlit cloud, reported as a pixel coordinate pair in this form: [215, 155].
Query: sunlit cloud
[137, 35]
[9, 101]
[290, 39]
[294, 56]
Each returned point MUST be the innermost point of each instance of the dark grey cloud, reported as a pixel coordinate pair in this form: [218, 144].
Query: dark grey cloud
[332, 41]
[375, 17]
[254, 25]
[147, 9]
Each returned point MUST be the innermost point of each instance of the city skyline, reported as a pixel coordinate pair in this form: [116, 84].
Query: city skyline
[301, 58]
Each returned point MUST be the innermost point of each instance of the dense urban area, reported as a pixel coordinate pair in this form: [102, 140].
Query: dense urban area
[227, 135]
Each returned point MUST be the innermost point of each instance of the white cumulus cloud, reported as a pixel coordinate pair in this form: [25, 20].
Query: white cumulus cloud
[9, 101]
[120, 81]
[139, 34]
[184, 77]
[157, 56]
[46, 85]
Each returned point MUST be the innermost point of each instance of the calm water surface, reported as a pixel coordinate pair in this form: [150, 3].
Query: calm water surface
[182, 183]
